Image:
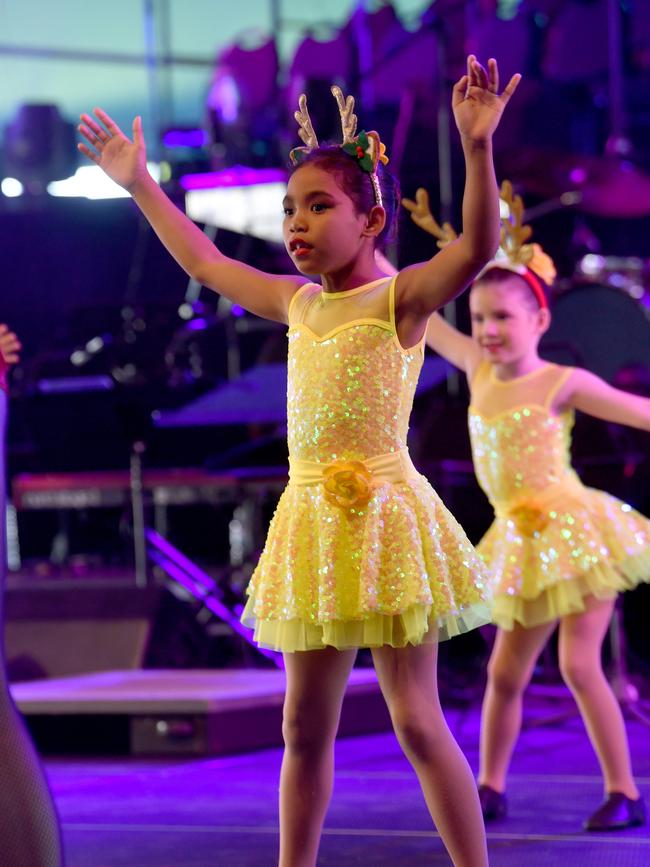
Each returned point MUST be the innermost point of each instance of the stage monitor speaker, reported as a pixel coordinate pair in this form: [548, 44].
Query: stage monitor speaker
[54, 632]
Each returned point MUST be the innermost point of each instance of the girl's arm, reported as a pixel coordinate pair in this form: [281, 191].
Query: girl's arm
[457, 348]
[124, 161]
[427, 286]
[590, 394]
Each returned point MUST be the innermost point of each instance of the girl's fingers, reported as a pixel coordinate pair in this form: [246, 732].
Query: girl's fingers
[470, 69]
[96, 158]
[138, 136]
[409, 204]
[510, 88]
[493, 75]
[480, 75]
[422, 197]
[108, 121]
[460, 91]
[89, 135]
[98, 131]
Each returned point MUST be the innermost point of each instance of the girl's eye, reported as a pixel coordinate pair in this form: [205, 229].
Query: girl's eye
[319, 207]
[288, 212]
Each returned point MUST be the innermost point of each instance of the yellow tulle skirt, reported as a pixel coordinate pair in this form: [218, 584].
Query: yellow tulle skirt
[593, 545]
[399, 570]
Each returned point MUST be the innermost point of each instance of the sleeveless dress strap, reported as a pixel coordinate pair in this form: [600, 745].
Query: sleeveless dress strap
[299, 294]
[480, 375]
[564, 374]
[391, 304]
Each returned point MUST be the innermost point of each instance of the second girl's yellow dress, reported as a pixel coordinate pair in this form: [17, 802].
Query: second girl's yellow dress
[553, 541]
[361, 552]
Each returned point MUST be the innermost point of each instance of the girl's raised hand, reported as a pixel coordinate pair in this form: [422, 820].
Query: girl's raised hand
[476, 101]
[10, 347]
[123, 160]
[9, 353]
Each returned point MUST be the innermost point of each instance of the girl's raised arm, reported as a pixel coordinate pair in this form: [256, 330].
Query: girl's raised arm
[124, 160]
[457, 348]
[590, 394]
[427, 286]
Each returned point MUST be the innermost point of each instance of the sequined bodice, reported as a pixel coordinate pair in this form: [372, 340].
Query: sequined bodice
[522, 448]
[350, 386]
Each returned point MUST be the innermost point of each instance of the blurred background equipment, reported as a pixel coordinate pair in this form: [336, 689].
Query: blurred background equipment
[39, 147]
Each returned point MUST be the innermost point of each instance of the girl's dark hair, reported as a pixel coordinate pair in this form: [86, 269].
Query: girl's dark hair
[356, 184]
[499, 276]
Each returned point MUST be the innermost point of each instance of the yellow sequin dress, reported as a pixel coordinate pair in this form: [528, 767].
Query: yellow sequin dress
[360, 552]
[553, 541]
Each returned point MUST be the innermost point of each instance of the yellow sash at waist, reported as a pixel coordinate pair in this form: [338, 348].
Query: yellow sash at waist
[350, 483]
[531, 512]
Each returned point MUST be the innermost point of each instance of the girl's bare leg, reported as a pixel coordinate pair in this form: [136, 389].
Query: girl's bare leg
[316, 681]
[581, 638]
[509, 671]
[408, 681]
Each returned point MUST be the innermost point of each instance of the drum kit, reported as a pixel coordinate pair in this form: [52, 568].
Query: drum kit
[601, 313]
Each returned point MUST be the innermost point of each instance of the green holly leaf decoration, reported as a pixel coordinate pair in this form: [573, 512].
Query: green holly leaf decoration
[359, 149]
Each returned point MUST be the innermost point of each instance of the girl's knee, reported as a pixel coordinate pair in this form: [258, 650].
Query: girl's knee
[306, 731]
[505, 680]
[579, 674]
[421, 731]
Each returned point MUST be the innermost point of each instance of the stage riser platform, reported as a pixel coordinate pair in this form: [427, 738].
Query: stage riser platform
[182, 713]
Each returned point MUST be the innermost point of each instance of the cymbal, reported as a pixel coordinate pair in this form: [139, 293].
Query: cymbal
[606, 186]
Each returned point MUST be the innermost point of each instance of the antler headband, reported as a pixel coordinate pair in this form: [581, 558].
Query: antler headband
[529, 261]
[366, 147]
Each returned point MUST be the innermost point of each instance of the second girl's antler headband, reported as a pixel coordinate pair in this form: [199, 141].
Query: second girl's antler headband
[366, 147]
[514, 254]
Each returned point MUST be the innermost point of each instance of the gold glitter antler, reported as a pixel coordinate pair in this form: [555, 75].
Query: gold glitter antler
[513, 233]
[421, 215]
[348, 117]
[305, 131]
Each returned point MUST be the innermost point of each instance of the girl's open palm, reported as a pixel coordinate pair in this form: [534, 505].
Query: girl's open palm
[123, 160]
[476, 101]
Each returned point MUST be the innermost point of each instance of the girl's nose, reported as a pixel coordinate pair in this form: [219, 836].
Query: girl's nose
[298, 223]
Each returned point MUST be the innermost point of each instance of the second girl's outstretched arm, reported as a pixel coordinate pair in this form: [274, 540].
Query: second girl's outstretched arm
[124, 160]
[590, 394]
[457, 348]
[478, 107]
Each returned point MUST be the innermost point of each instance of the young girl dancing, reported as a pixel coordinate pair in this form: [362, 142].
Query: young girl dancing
[360, 552]
[558, 550]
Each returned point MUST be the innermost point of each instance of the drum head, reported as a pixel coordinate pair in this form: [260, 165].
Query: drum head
[599, 328]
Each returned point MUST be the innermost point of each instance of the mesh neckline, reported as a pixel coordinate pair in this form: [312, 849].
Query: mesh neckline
[515, 379]
[346, 293]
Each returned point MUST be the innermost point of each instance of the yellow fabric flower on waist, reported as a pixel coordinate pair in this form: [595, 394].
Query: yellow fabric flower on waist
[347, 483]
[529, 518]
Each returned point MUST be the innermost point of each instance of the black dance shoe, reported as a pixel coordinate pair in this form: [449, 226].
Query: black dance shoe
[494, 805]
[615, 813]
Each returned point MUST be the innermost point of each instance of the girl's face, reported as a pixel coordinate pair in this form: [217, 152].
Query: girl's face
[505, 323]
[322, 231]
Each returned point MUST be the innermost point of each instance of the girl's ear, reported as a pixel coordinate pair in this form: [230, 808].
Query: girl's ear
[375, 221]
[544, 319]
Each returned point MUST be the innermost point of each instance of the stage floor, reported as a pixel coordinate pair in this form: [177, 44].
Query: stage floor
[208, 812]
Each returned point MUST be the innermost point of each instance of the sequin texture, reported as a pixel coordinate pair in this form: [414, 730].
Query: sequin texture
[396, 569]
[553, 540]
